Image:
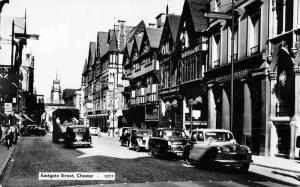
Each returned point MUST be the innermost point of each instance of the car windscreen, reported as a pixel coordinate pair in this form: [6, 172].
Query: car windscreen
[143, 133]
[79, 130]
[218, 136]
[173, 134]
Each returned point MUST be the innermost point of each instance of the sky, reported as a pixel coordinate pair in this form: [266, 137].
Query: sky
[67, 26]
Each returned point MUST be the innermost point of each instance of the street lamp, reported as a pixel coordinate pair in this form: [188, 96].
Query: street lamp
[220, 15]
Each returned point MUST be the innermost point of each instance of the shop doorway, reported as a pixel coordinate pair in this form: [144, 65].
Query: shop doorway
[284, 138]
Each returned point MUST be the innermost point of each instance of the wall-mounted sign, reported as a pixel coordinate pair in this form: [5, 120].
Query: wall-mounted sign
[236, 75]
[7, 108]
[191, 51]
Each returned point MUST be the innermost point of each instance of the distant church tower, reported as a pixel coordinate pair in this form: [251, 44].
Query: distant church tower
[56, 95]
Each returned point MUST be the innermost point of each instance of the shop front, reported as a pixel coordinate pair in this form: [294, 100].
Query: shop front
[249, 102]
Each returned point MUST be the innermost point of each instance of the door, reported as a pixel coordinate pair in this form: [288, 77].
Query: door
[198, 146]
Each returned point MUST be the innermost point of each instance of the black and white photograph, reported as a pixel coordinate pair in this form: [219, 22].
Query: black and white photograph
[149, 93]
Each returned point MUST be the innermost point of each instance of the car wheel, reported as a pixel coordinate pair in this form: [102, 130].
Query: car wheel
[151, 152]
[137, 149]
[245, 167]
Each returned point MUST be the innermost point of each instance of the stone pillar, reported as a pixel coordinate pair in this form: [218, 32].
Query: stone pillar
[273, 140]
[247, 117]
[212, 113]
[284, 15]
[225, 110]
[295, 124]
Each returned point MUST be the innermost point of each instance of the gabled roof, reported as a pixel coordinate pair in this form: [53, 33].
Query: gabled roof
[112, 40]
[174, 21]
[154, 36]
[135, 30]
[85, 67]
[196, 8]
[102, 43]
[92, 55]
[129, 47]
[138, 40]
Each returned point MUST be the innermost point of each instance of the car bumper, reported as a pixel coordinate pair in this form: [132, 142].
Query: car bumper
[175, 153]
[75, 144]
[232, 162]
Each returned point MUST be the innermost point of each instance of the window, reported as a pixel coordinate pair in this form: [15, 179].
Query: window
[279, 12]
[254, 33]
[216, 50]
[235, 44]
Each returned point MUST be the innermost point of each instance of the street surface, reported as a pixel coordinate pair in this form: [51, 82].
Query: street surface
[39, 154]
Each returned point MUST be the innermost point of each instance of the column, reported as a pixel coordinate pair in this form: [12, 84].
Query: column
[212, 113]
[295, 124]
[284, 15]
[247, 116]
[274, 19]
[225, 110]
[273, 137]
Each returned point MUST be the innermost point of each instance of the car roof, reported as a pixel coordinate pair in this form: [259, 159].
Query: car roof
[77, 126]
[211, 130]
[169, 129]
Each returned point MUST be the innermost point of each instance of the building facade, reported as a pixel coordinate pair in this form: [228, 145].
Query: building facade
[283, 55]
[251, 90]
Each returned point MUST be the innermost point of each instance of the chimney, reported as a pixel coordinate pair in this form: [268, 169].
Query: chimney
[116, 27]
[151, 25]
[122, 35]
[160, 20]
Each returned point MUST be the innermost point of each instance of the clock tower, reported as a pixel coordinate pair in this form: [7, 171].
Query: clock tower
[56, 97]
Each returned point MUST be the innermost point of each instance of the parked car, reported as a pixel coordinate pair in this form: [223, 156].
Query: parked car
[168, 142]
[94, 131]
[77, 136]
[139, 139]
[212, 147]
[125, 135]
[33, 130]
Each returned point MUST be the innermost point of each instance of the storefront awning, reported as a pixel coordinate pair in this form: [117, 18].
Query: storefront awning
[27, 118]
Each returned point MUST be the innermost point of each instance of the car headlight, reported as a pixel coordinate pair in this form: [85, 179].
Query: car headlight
[169, 143]
[248, 150]
[219, 149]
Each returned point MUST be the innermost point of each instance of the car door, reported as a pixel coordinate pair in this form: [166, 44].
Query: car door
[153, 141]
[198, 146]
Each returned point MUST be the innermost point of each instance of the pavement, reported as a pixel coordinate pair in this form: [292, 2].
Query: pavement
[5, 155]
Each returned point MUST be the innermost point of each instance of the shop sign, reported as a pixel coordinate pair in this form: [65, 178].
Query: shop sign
[191, 51]
[7, 108]
[236, 75]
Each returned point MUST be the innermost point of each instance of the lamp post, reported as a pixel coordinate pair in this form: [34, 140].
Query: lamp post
[220, 15]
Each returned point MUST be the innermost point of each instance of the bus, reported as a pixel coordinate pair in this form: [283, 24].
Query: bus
[61, 118]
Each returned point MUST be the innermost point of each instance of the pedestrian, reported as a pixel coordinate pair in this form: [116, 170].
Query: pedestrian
[99, 131]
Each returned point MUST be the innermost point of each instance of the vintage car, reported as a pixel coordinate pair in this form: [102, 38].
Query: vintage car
[125, 134]
[33, 130]
[212, 147]
[77, 136]
[94, 131]
[139, 139]
[167, 142]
